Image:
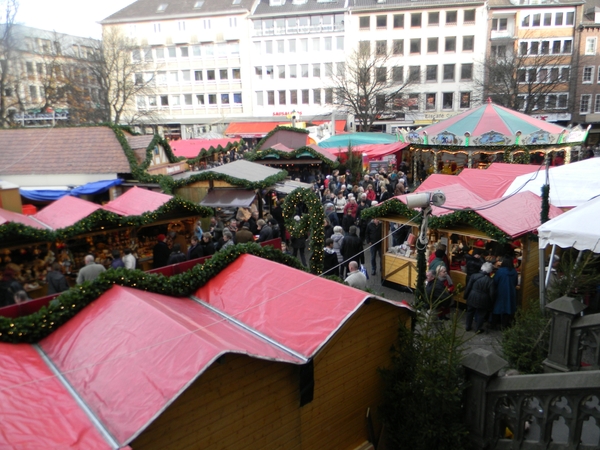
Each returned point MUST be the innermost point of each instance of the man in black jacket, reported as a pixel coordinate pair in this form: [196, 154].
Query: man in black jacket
[352, 248]
[176, 256]
[330, 260]
[374, 240]
[480, 294]
[266, 232]
[160, 252]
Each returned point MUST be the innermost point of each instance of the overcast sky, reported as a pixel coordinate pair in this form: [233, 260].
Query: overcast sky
[77, 17]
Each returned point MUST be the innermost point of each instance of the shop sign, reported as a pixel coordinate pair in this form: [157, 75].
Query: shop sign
[287, 113]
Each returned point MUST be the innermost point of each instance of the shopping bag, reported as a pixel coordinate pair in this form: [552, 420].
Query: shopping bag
[364, 270]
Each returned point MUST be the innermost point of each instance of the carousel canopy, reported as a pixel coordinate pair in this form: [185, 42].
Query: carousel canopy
[493, 125]
[344, 140]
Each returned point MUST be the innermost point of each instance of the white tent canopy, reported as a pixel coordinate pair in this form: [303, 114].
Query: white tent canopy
[576, 228]
[570, 185]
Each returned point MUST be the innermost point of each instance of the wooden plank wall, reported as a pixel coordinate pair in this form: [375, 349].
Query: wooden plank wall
[346, 378]
[247, 403]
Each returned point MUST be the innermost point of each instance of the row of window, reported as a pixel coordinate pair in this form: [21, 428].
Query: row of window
[180, 25]
[556, 19]
[585, 104]
[434, 18]
[415, 46]
[207, 50]
[545, 102]
[295, 25]
[187, 76]
[588, 75]
[173, 101]
[546, 47]
[317, 44]
[411, 102]
[36, 93]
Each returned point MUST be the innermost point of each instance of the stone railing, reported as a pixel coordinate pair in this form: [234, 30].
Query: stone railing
[559, 409]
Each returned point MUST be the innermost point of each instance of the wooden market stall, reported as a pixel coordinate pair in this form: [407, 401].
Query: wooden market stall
[500, 227]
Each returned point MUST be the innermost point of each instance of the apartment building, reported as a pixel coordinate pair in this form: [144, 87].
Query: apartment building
[199, 57]
[437, 44]
[543, 36]
[41, 64]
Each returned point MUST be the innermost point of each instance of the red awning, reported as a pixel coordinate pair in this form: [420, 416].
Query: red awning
[261, 129]
[137, 201]
[7, 216]
[190, 148]
[372, 150]
[36, 410]
[456, 197]
[66, 211]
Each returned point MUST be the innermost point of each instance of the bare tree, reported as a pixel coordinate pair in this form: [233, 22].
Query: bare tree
[123, 75]
[9, 61]
[530, 78]
[368, 87]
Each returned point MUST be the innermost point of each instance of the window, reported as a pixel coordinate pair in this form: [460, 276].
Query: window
[303, 70]
[327, 44]
[316, 70]
[187, 99]
[223, 74]
[293, 71]
[281, 97]
[39, 68]
[449, 71]
[398, 74]
[545, 47]
[498, 51]
[413, 102]
[208, 49]
[270, 97]
[160, 53]
[556, 47]
[381, 48]
[398, 46]
[317, 96]
[431, 73]
[258, 72]
[210, 74]
[584, 105]
[567, 46]
[468, 43]
[414, 74]
[415, 46]
[292, 45]
[534, 48]
[164, 100]
[558, 19]
[398, 20]
[364, 47]
[430, 102]
[280, 71]
[280, 46]
[152, 101]
[33, 92]
[551, 101]
[212, 99]
[415, 20]
[329, 95]
[206, 25]
[562, 100]
[469, 16]
[535, 20]
[260, 98]
[268, 47]
[381, 21]
[433, 18]
[381, 74]
[499, 24]
[316, 44]
[340, 69]
[590, 46]
[588, 74]
[175, 100]
[29, 66]
[185, 76]
[570, 18]
[157, 27]
[293, 97]
[174, 77]
[597, 104]
[432, 45]
[305, 96]
[565, 74]
[137, 56]
[339, 43]
[447, 100]
[224, 99]
[162, 7]
[328, 69]
[200, 99]
[547, 19]
[161, 77]
[233, 22]
[364, 22]
[236, 74]
[465, 99]
[466, 72]
[451, 17]
[450, 45]
[304, 45]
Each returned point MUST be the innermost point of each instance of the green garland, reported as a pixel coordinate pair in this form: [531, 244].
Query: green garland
[311, 222]
[205, 153]
[36, 326]
[239, 182]
[261, 155]
[545, 213]
[279, 128]
[392, 207]
[19, 233]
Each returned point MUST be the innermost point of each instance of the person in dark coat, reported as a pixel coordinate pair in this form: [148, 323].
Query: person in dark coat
[176, 256]
[195, 250]
[327, 228]
[9, 286]
[505, 306]
[480, 294]
[244, 235]
[374, 241]
[362, 222]
[330, 260]
[352, 248]
[208, 247]
[437, 294]
[55, 280]
[117, 260]
[265, 231]
[277, 214]
[474, 263]
[299, 244]
[275, 228]
[160, 252]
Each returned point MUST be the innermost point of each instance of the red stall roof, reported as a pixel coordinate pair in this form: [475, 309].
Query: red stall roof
[261, 129]
[371, 150]
[7, 216]
[36, 410]
[190, 148]
[137, 201]
[456, 197]
[66, 211]
[129, 354]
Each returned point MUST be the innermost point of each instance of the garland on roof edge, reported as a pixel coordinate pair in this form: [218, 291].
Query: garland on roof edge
[205, 153]
[36, 326]
[309, 224]
[278, 128]
[262, 154]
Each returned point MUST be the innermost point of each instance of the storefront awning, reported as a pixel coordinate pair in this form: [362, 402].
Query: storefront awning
[261, 129]
[229, 198]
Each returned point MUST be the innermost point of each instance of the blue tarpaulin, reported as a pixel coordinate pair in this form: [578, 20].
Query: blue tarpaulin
[45, 195]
